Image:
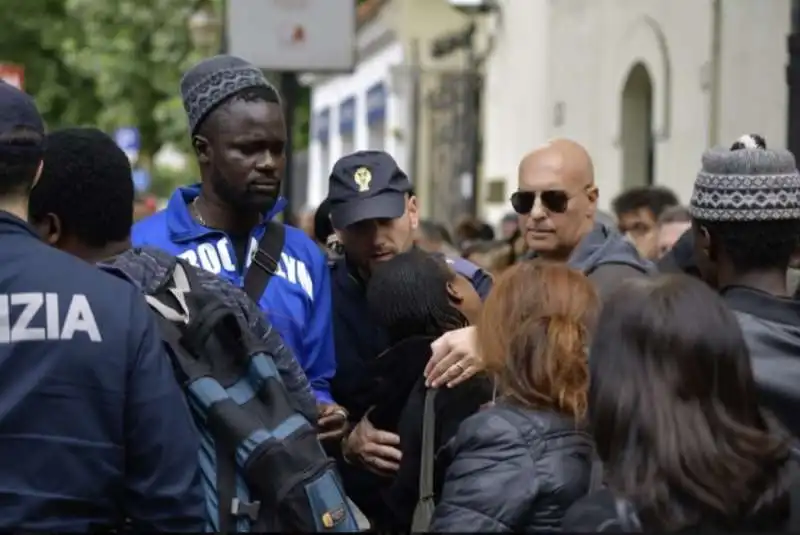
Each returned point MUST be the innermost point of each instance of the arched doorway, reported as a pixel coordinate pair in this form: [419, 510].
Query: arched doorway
[638, 156]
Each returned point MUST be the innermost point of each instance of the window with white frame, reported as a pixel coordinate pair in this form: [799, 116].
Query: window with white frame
[376, 116]
[347, 123]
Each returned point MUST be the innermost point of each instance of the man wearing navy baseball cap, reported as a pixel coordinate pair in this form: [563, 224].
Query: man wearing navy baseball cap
[21, 148]
[90, 411]
[375, 214]
[369, 185]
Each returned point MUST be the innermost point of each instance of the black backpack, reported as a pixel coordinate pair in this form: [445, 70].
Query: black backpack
[264, 468]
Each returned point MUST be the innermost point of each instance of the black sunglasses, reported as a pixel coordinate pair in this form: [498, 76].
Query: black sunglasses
[553, 200]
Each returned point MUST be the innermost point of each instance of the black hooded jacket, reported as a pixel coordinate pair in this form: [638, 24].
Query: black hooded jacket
[680, 259]
[771, 327]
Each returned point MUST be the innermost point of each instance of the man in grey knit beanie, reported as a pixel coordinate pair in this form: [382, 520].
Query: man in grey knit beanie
[226, 224]
[746, 208]
[746, 223]
[212, 81]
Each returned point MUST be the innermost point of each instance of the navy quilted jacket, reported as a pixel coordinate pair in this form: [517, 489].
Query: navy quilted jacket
[513, 470]
[149, 267]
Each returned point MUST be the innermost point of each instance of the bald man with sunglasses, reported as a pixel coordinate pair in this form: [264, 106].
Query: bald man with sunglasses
[556, 200]
[557, 203]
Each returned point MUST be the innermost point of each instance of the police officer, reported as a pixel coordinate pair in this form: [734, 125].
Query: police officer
[93, 427]
[375, 214]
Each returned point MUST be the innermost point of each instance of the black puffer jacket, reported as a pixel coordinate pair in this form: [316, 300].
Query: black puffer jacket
[513, 470]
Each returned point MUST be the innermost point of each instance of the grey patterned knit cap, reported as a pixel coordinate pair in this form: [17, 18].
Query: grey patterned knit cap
[746, 183]
[209, 83]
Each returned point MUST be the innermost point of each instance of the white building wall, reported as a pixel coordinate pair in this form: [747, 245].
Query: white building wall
[515, 97]
[672, 39]
[331, 92]
[560, 66]
[754, 95]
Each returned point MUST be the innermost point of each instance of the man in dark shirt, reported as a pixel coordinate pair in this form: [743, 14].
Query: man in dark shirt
[93, 426]
[375, 214]
[746, 221]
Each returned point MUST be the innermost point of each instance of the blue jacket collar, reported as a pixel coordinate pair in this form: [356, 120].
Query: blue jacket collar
[11, 224]
[182, 227]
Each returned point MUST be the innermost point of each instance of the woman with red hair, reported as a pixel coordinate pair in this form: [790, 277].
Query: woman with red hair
[519, 465]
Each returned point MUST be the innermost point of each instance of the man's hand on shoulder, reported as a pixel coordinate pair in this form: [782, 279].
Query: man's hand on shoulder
[454, 360]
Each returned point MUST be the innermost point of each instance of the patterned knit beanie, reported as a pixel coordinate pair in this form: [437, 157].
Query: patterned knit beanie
[746, 183]
[212, 81]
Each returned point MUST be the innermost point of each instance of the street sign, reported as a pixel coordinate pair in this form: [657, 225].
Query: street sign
[13, 74]
[294, 35]
[141, 180]
[127, 139]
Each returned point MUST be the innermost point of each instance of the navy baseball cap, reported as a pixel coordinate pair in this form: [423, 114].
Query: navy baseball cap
[18, 111]
[367, 185]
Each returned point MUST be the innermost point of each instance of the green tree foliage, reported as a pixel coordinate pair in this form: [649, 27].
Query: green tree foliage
[33, 31]
[108, 64]
[112, 64]
[135, 50]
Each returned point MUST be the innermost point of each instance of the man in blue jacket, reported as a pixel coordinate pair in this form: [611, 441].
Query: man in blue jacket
[226, 222]
[80, 206]
[93, 426]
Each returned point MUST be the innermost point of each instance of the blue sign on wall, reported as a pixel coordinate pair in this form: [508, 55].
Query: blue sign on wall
[129, 141]
[347, 116]
[322, 125]
[141, 180]
[376, 103]
[127, 138]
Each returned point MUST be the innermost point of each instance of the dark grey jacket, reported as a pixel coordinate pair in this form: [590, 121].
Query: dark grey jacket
[513, 470]
[771, 327]
[608, 258]
[149, 267]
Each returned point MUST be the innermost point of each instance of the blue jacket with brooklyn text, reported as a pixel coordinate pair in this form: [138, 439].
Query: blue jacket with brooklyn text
[297, 301]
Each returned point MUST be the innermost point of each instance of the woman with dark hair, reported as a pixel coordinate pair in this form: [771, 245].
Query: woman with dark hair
[323, 228]
[674, 412]
[418, 297]
[323, 232]
[518, 465]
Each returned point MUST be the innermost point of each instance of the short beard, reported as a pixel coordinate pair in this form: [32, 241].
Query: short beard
[236, 200]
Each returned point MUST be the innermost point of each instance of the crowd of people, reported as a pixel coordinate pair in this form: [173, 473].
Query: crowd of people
[209, 368]
[651, 217]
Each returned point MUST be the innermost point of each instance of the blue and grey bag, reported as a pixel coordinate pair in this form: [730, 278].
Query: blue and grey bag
[264, 468]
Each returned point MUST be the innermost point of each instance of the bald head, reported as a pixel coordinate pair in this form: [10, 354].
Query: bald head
[557, 182]
[562, 158]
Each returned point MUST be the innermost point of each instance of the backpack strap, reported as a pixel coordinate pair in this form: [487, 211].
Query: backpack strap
[265, 260]
[423, 513]
[596, 477]
[226, 487]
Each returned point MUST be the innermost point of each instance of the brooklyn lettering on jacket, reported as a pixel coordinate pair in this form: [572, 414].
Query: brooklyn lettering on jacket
[217, 258]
